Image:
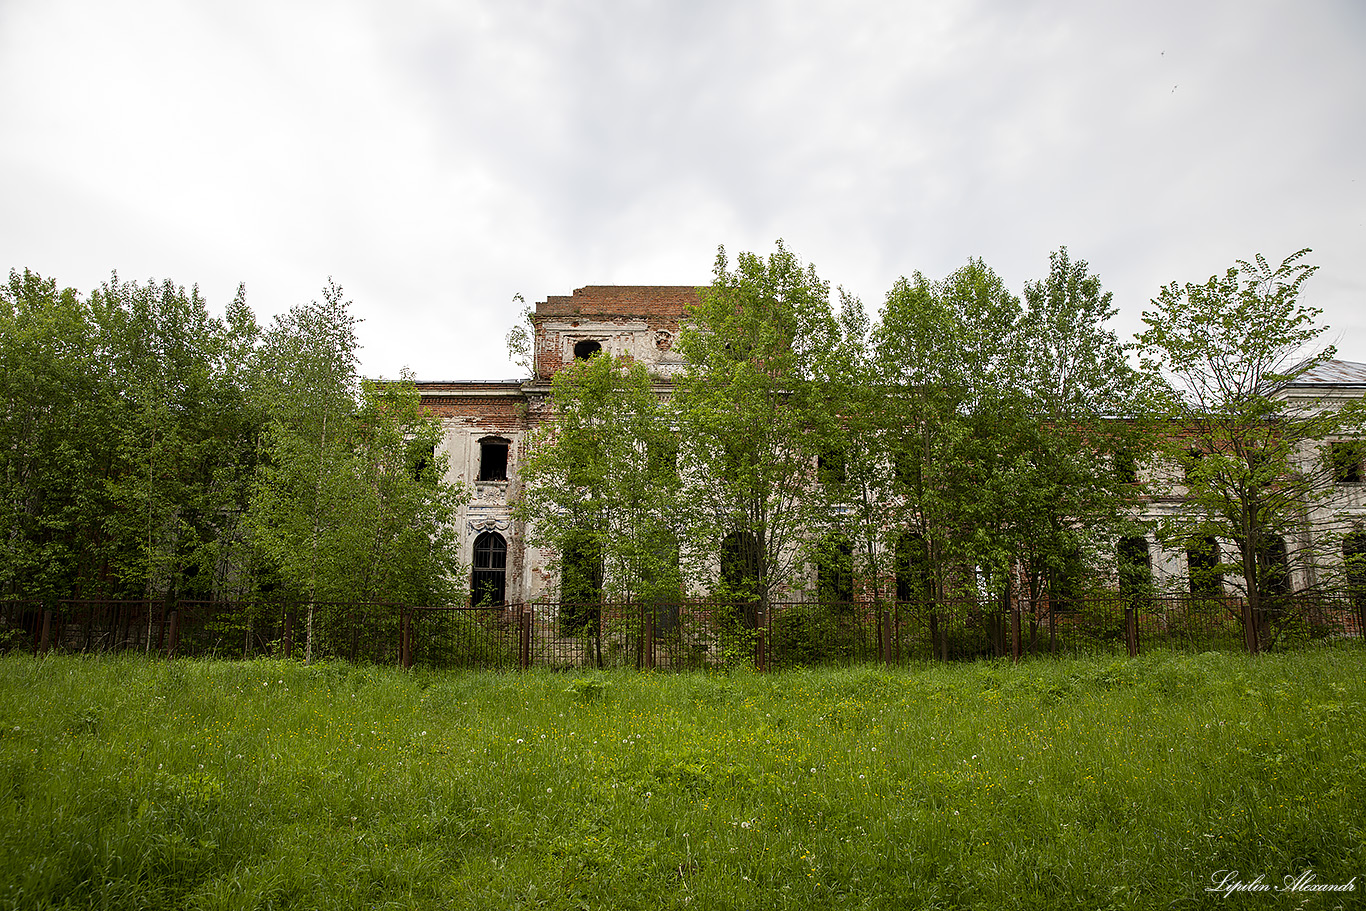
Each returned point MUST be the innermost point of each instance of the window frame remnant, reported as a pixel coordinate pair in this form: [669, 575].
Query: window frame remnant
[488, 575]
[493, 458]
[1202, 558]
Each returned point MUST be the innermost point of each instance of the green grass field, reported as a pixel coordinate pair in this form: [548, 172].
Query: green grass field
[135, 783]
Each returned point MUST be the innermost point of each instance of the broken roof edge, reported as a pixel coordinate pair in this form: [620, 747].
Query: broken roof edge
[619, 300]
[1332, 372]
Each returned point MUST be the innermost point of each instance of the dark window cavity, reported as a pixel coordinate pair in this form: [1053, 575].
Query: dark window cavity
[587, 348]
[1346, 457]
[741, 573]
[489, 584]
[422, 457]
[580, 583]
[1274, 566]
[1202, 561]
[493, 460]
[914, 581]
[1354, 561]
[1126, 466]
[1191, 464]
[830, 467]
[1135, 567]
[835, 570]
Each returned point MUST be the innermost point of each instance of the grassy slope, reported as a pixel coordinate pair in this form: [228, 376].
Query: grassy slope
[127, 783]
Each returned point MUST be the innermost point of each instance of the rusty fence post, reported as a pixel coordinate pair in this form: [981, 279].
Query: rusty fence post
[47, 631]
[650, 637]
[887, 637]
[761, 644]
[524, 637]
[405, 641]
[174, 638]
[1016, 641]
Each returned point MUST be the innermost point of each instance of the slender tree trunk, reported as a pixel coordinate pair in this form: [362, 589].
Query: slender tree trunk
[313, 560]
[151, 453]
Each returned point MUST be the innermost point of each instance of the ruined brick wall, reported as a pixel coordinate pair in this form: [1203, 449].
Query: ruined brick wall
[639, 320]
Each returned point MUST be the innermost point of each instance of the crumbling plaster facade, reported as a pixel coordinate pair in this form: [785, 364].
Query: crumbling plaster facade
[643, 322]
[635, 320]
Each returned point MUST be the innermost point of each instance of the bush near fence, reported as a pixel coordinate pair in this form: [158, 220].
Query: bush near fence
[682, 635]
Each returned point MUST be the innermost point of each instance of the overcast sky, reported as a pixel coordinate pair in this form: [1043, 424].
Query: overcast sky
[437, 158]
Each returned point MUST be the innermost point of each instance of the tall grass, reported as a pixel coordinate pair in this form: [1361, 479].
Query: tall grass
[133, 783]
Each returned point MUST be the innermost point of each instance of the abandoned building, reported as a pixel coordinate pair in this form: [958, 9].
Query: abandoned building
[485, 424]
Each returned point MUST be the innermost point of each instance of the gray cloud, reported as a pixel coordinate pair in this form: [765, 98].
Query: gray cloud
[436, 158]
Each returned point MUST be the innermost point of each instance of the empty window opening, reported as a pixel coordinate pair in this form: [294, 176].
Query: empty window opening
[1346, 458]
[581, 582]
[903, 468]
[835, 571]
[1354, 562]
[830, 467]
[1135, 567]
[587, 348]
[742, 573]
[1191, 466]
[493, 460]
[424, 457]
[1126, 466]
[1202, 562]
[1274, 567]
[488, 586]
[914, 580]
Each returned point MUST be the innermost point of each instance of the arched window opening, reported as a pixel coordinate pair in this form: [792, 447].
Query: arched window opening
[587, 348]
[488, 587]
[1202, 561]
[1135, 567]
[493, 459]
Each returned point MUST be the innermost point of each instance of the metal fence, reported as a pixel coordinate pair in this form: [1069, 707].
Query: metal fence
[676, 635]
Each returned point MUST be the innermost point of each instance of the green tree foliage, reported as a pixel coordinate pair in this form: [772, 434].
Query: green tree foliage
[754, 416]
[599, 485]
[947, 362]
[55, 418]
[855, 476]
[1229, 347]
[154, 450]
[350, 501]
[178, 433]
[999, 423]
[1084, 418]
